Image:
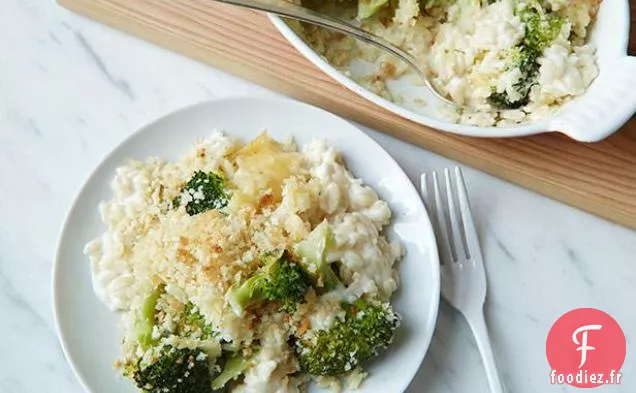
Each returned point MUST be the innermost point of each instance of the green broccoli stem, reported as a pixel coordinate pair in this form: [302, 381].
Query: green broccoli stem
[249, 293]
[312, 252]
[330, 279]
[233, 368]
[146, 319]
[368, 8]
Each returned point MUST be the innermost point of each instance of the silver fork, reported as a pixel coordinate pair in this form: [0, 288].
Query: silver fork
[463, 275]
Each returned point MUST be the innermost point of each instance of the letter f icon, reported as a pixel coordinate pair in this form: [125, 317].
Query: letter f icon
[584, 347]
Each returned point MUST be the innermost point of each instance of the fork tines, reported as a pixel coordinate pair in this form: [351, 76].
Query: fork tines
[450, 212]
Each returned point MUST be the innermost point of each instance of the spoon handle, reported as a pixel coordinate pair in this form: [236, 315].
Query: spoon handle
[291, 10]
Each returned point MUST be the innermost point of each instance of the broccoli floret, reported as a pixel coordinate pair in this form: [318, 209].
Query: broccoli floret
[145, 321]
[542, 29]
[194, 322]
[170, 370]
[365, 331]
[312, 256]
[280, 280]
[524, 59]
[233, 368]
[173, 371]
[206, 191]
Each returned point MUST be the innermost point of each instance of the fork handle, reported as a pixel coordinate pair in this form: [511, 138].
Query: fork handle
[480, 332]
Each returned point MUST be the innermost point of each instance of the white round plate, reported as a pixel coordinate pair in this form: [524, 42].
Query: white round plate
[88, 331]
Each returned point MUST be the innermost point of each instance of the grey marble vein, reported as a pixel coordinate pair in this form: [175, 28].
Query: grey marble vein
[578, 264]
[434, 361]
[505, 250]
[506, 381]
[18, 301]
[206, 90]
[120, 84]
[54, 38]
[33, 126]
[531, 318]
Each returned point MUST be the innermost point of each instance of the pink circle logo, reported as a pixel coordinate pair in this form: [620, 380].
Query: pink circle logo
[586, 348]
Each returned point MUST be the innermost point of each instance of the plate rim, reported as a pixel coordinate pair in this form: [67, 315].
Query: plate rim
[433, 309]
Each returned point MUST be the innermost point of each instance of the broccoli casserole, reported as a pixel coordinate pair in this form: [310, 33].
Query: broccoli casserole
[509, 61]
[249, 268]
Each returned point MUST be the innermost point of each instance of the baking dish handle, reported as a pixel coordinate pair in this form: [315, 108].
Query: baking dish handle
[606, 107]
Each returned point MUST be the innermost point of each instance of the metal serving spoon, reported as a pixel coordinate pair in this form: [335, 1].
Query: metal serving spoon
[294, 11]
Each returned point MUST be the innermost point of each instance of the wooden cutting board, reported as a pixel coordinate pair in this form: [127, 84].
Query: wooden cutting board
[599, 178]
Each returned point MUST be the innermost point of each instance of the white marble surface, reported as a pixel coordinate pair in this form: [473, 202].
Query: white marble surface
[71, 89]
